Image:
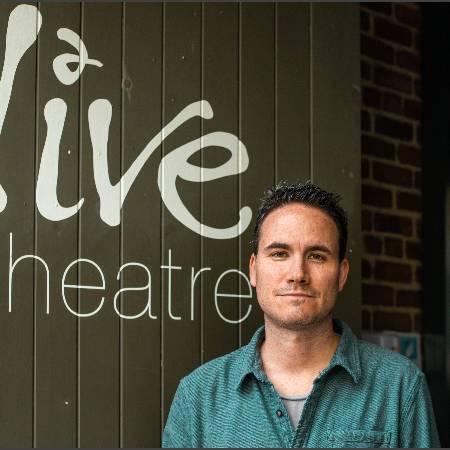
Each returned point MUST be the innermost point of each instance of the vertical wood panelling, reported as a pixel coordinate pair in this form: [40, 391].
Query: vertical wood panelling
[141, 98]
[99, 334]
[257, 75]
[219, 207]
[274, 76]
[56, 332]
[182, 86]
[17, 145]
[292, 107]
[335, 129]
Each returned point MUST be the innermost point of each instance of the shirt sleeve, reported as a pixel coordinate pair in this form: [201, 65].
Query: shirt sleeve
[418, 425]
[177, 432]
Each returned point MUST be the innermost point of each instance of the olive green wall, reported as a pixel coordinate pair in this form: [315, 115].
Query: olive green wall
[98, 364]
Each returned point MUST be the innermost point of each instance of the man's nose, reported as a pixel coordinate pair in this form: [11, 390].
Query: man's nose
[299, 271]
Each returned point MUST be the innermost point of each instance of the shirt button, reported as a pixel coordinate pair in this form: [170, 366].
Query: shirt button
[279, 413]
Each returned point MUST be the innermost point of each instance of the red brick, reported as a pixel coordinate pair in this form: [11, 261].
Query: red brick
[408, 16]
[414, 250]
[371, 97]
[392, 103]
[365, 168]
[364, 20]
[418, 323]
[389, 31]
[394, 321]
[381, 7]
[409, 298]
[376, 196]
[365, 71]
[388, 173]
[390, 223]
[419, 228]
[366, 320]
[376, 49]
[377, 147]
[413, 109]
[366, 270]
[366, 220]
[419, 275]
[365, 121]
[393, 128]
[390, 271]
[418, 180]
[418, 88]
[393, 247]
[408, 154]
[372, 244]
[409, 61]
[409, 202]
[393, 80]
[377, 295]
[418, 41]
[418, 134]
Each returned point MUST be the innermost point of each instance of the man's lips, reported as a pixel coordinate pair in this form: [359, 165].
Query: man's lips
[295, 294]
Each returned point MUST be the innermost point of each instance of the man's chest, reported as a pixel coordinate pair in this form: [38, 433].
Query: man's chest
[333, 416]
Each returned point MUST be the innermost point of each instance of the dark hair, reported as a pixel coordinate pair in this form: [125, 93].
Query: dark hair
[308, 194]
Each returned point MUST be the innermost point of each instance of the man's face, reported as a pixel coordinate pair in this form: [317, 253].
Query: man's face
[297, 273]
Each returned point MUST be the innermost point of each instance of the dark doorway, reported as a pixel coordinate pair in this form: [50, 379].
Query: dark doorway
[436, 209]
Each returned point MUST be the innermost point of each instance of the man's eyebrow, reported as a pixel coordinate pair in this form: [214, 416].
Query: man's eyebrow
[275, 244]
[320, 248]
[311, 248]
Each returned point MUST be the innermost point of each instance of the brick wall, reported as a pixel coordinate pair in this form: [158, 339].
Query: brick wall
[391, 166]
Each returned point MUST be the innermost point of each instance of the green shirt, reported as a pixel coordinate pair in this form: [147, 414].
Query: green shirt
[366, 397]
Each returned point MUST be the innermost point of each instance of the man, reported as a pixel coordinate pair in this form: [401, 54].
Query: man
[304, 380]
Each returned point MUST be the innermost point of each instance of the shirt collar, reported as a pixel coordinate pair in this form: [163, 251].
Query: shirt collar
[346, 355]
[250, 358]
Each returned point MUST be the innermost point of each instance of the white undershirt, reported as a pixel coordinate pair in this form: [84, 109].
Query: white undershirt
[294, 405]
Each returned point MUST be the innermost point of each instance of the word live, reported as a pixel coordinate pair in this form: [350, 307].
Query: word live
[23, 27]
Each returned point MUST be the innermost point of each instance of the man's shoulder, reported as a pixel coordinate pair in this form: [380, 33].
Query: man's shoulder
[385, 362]
[223, 371]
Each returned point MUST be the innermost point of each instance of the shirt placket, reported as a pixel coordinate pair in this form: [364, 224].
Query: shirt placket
[280, 415]
[301, 434]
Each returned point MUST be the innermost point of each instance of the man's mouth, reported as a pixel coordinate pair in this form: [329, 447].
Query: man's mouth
[296, 294]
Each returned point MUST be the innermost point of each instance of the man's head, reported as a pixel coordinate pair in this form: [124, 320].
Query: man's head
[298, 265]
[308, 194]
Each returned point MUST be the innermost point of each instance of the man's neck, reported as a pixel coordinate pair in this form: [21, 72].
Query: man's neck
[293, 358]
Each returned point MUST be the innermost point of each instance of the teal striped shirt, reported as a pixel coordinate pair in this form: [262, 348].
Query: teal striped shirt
[366, 397]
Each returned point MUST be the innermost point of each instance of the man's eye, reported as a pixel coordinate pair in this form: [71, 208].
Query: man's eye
[317, 257]
[279, 254]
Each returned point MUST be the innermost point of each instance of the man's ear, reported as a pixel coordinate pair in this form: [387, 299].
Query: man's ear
[252, 269]
[344, 267]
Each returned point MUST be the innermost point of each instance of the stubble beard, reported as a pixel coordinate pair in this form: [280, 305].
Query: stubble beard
[300, 318]
[302, 323]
